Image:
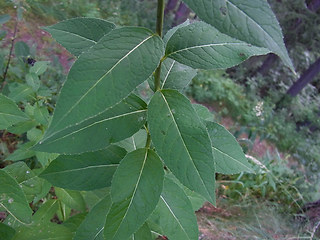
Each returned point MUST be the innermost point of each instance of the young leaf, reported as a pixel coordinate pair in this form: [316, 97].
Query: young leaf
[13, 200]
[74, 222]
[200, 45]
[21, 49]
[20, 92]
[10, 113]
[73, 199]
[92, 226]
[88, 171]
[6, 232]
[4, 18]
[182, 141]
[32, 186]
[250, 21]
[227, 152]
[77, 35]
[23, 152]
[113, 125]
[39, 67]
[138, 140]
[174, 213]
[46, 212]
[135, 191]
[144, 233]
[174, 75]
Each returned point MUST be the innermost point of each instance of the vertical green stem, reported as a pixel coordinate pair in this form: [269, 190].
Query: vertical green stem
[159, 28]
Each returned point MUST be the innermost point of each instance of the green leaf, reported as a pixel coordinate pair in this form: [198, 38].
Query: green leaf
[92, 226]
[4, 18]
[23, 152]
[10, 113]
[45, 158]
[20, 92]
[135, 191]
[174, 213]
[21, 49]
[112, 125]
[77, 35]
[73, 199]
[203, 112]
[39, 67]
[41, 114]
[173, 30]
[174, 75]
[46, 212]
[44, 231]
[110, 70]
[88, 171]
[33, 81]
[200, 45]
[13, 200]
[138, 140]
[34, 134]
[22, 127]
[227, 152]
[144, 233]
[74, 222]
[182, 141]
[33, 187]
[6, 232]
[249, 21]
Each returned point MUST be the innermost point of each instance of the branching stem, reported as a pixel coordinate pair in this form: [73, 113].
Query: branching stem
[10, 54]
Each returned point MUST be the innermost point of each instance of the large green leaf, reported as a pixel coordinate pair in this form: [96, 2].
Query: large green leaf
[88, 171]
[200, 45]
[112, 125]
[135, 191]
[6, 232]
[44, 231]
[92, 226]
[174, 213]
[227, 152]
[105, 75]
[10, 113]
[174, 75]
[13, 200]
[73, 199]
[78, 34]
[182, 141]
[249, 21]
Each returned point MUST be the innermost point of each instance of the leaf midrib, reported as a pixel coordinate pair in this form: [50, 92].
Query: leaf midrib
[184, 144]
[134, 191]
[255, 22]
[80, 169]
[90, 125]
[177, 219]
[234, 159]
[207, 45]
[102, 77]
[75, 34]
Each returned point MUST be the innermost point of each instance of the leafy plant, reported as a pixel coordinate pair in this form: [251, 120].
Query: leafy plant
[144, 167]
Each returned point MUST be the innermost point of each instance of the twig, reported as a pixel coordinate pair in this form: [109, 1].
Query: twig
[10, 53]
[314, 230]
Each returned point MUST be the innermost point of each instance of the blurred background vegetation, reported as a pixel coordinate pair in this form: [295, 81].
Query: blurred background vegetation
[272, 112]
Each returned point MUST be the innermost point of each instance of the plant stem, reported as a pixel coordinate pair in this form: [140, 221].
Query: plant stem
[10, 54]
[159, 28]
